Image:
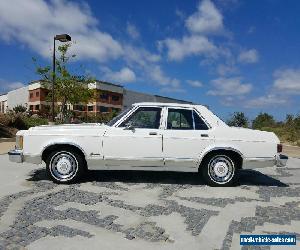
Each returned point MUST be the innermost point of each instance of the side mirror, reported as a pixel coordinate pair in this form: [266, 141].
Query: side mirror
[129, 126]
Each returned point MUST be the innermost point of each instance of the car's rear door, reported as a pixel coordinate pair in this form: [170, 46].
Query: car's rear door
[185, 136]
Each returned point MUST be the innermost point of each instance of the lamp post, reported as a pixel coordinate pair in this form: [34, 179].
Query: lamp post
[62, 38]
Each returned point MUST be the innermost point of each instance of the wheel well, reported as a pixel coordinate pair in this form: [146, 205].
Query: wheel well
[56, 147]
[231, 153]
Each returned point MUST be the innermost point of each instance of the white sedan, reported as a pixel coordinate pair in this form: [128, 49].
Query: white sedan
[150, 136]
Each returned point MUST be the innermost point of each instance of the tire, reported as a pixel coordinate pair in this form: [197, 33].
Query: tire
[219, 170]
[65, 166]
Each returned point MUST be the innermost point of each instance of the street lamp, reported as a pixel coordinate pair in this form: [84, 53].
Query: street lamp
[62, 38]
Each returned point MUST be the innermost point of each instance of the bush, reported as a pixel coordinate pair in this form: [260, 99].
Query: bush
[34, 121]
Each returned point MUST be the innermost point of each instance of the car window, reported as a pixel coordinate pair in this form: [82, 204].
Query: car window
[199, 123]
[144, 117]
[118, 117]
[180, 119]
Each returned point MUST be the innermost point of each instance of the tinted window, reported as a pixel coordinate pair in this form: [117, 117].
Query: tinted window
[180, 119]
[199, 123]
[144, 117]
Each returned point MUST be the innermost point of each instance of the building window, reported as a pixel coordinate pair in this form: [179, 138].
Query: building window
[90, 108]
[104, 96]
[102, 109]
[37, 94]
[115, 98]
[31, 107]
[79, 107]
[37, 107]
[31, 95]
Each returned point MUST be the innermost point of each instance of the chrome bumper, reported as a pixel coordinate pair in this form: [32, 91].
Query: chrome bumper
[263, 162]
[281, 160]
[16, 156]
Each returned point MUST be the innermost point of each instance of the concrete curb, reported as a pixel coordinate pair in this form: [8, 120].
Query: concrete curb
[7, 139]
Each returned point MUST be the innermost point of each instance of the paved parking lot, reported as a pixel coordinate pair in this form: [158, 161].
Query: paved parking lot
[144, 210]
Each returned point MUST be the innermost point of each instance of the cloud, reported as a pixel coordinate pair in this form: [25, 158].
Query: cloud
[266, 101]
[189, 45]
[287, 81]
[195, 83]
[125, 75]
[229, 87]
[35, 22]
[6, 86]
[207, 19]
[248, 56]
[132, 31]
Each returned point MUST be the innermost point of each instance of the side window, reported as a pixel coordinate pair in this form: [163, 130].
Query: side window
[180, 119]
[199, 123]
[144, 117]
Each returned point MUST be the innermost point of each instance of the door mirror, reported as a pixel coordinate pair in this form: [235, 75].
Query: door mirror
[129, 126]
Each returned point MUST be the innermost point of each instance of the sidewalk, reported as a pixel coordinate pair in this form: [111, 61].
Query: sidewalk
[6, 146]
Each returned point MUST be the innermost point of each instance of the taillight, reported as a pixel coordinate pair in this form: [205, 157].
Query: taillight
[279, 148]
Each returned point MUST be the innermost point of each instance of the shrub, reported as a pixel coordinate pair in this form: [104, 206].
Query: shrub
[34, 121]
[19, 109]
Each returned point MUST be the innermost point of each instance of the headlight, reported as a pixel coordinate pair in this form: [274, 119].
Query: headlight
[19, 142]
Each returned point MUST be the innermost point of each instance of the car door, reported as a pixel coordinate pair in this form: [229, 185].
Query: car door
[185, 136]
[136, 142]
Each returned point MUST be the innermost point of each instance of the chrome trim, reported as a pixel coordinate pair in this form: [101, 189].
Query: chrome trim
[281, 160]
[258, 162]
[64, 143]
[16, 156]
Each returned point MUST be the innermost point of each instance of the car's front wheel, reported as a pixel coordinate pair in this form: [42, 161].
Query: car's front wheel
[219, 170]
[65, 166]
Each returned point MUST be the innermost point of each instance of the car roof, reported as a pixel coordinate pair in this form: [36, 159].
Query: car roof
[167, 104]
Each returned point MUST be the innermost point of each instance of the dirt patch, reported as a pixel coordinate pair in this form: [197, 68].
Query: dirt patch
[291, 151]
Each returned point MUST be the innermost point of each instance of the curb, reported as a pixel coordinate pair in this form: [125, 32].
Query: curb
[7, 140]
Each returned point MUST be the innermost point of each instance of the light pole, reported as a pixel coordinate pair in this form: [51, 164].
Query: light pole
[62, 38]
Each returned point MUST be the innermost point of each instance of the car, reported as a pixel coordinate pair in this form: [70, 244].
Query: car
[150, 136]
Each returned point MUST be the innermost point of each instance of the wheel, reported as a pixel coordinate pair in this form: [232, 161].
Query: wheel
[219, 170]
[65, 166]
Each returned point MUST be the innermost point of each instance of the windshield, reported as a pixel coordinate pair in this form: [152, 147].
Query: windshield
[118, 117]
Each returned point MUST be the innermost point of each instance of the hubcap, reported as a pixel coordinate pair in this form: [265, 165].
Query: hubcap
[63, 166]
[221, 169]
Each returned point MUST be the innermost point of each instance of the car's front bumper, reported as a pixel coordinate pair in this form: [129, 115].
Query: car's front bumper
[262, 162]
[16, 156]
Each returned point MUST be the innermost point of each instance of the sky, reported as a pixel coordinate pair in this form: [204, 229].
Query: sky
[232, 55]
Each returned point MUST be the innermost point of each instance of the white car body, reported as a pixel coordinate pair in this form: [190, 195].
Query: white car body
[115, 147]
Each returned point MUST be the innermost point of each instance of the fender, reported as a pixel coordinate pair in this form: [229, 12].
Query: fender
[211, 148]
[60, 142]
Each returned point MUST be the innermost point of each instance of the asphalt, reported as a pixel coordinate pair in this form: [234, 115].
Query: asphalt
[144, 210]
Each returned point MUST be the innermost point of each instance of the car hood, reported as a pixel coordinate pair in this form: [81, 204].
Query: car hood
[66, 129]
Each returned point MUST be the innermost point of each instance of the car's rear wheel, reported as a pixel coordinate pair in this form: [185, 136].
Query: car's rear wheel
[65, 166]
[219, 170]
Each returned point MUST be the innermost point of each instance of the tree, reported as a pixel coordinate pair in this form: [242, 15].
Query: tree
[263, 120]
[238, 119]
[69, 88]
[19, 109]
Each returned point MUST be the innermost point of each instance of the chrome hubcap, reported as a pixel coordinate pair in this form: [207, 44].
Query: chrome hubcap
[221, 169]
[63, 166]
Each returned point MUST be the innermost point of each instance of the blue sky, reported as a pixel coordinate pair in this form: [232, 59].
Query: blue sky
[230, 55]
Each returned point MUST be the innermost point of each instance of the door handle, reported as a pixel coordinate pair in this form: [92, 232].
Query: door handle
[204, 135]
[152, 133]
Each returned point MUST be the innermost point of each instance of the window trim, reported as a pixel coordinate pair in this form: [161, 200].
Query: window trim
[134, 109]
[191, 109]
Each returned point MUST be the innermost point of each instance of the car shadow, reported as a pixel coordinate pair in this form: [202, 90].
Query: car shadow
[246, 177]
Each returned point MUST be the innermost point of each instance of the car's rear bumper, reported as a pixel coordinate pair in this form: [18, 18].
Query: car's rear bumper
[262, 162]
[16, 156]
[19, 157]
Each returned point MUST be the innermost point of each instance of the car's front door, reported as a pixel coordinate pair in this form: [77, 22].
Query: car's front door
[136, 142]
[185, 136]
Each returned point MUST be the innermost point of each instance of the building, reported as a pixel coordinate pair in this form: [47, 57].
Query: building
[3, 103]
[109, 97]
